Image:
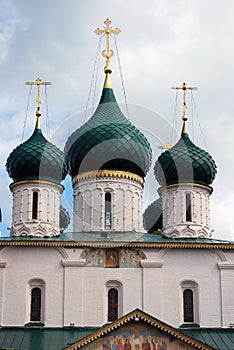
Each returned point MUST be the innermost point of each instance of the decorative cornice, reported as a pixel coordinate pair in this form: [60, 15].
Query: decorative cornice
[108, 173]
[73, 263]
[147, 263]
[159, 245]
[226, 265]
[186, 184]
[43, 182]
[137, 316]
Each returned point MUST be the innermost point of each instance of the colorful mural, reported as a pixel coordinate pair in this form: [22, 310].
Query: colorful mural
[113, 257]
[138, 337]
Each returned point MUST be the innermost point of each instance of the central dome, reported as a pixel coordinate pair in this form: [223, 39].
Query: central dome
[108, 141]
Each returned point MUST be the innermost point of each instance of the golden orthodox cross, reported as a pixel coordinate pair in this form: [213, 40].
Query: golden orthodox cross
[38, 82]
[107, 31]
[184, 87]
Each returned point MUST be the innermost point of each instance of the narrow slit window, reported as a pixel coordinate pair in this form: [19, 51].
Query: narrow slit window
[188, 305]
[112, 304]
[108, 211]
[36, 304]
[188, 207]
[35, 206]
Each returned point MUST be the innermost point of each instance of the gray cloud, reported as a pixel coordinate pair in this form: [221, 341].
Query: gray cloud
[162, 43]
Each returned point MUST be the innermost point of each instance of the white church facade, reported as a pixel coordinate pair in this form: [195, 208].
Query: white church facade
[162, 268]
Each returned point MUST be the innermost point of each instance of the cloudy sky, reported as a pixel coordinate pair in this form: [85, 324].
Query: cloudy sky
[162, 43]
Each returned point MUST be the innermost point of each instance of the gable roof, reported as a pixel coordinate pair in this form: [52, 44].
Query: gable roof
[137, 316]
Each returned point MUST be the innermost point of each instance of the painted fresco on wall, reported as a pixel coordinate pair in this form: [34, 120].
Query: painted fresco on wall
[131, 257]
[138, 337]
[113, 257]
[93, 257]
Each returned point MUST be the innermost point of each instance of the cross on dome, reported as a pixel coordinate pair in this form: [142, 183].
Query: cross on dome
[184, 87]
[38, 82]
[107, 53]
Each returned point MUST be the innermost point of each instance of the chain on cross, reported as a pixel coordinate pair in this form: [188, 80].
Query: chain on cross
[107, 31]
[38, 82]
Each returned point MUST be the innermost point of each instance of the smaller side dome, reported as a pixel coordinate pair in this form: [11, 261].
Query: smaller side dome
[152, 217]
[64, 219]
[185, 162]
[37, 159]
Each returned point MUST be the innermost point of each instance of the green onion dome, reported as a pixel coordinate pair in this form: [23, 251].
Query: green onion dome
[37, 159]
[64, 219]
[108, 141]
[152, 217]
[185, 162]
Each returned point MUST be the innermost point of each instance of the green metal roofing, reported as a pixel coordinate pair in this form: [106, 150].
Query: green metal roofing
[218, 338]
[37, 158]
[108, 141]
[40, 338]
[152, 217]
[20, 338]
[124, 238]
[185, 162]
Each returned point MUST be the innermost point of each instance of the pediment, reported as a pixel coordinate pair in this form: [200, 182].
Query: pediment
[138, 331]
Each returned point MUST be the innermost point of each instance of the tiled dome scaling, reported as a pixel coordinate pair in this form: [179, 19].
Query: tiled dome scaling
[108, 141]
[152, 218]
[37, 159]
[185, 162]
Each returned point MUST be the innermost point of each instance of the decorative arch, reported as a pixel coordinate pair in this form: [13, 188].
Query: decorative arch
[63, 252]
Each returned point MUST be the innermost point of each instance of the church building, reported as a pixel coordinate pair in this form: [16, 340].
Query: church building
[122, 279]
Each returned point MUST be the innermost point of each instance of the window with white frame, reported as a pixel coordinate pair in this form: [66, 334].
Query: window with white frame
[190, 307]
[114, 300]
[36, 300]
[107, 210]
[35, 205]
[188, 207]
[35, 313]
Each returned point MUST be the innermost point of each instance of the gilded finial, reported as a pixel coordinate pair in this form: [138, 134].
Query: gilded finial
[184, 87]
[38, 82]
[167, 146]
[107, 53]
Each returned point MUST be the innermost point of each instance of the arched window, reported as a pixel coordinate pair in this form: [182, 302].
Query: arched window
[112, 304]
[107, 210]
[35, 206]
[188, 207]
[35, 314]
[188, 305]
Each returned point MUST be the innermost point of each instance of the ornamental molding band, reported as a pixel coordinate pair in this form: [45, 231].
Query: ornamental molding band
[31, 229]
[138, 330]
[108, 173]
[38, 242]
[38, 182]
[186, 184]
[186, 231]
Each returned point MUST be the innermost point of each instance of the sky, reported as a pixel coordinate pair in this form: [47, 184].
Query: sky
[162, 43]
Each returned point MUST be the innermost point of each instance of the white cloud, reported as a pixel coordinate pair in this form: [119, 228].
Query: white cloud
[162, 43]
